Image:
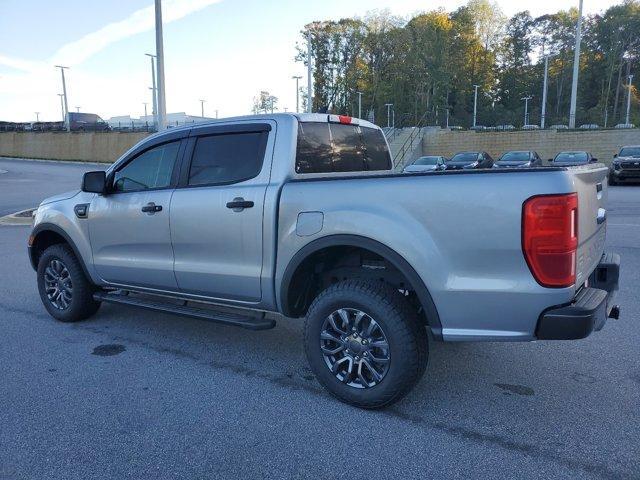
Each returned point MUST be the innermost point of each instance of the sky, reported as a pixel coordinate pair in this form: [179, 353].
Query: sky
[222, 51]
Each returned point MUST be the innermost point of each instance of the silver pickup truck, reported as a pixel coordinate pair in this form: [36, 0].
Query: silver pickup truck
[236, 220]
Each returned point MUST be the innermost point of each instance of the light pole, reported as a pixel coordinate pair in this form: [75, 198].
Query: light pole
[475, 104]
[37, 116]
[544, 92]
[629, 99]
[78, 109]
[297, 79]
[162, 104]
[576, 70]
[359, 104]
[526, 108]
[216, 113]
[145, 110]
[154, 90]
[61, 95]
[64, 92]
[388, 105]
[447, 117]
[309, 74]
[202, 107]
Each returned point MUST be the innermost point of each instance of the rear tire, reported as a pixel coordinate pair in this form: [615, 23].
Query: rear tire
[64, 289]
[356, 367]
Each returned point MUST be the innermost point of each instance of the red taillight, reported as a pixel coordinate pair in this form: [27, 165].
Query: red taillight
[345, 119]
[550, 238]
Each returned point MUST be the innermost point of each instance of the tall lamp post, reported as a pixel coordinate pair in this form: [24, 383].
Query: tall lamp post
[629, 99]
[309, 74]
[202, 107]
[576, 70]
[475, 104]
[388, 105]
[154, 90]
[359, 104]
[37, 116]
[526, 108]
[61, 95]
[297, 79]
[145, 110]
[543, 113]
[66, 104]
[162, 104]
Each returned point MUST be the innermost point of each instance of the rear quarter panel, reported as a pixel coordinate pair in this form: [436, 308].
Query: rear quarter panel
[460, 231]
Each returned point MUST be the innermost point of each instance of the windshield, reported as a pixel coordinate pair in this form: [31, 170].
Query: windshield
[515, 157]
[426, 161]
[465, 157]
[571, 157]
[630, 152]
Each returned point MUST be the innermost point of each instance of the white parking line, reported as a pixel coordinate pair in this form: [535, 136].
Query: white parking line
[623, 224]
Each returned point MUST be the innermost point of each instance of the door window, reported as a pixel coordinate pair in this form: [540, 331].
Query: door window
[227, 158]
[149, 170]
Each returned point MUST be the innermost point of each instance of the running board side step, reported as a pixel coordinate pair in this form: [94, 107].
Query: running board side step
[250, 323]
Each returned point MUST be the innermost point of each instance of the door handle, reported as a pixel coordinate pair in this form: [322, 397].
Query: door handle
[151, 208]
[238, 204]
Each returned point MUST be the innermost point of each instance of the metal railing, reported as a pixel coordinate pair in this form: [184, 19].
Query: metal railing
[407, 146]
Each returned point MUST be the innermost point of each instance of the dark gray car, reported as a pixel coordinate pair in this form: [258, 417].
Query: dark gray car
[519, 159]
[625, 166]
[572, 159]
[466, 160]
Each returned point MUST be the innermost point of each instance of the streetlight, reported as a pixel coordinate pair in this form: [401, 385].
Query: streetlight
[145, 110]
[154, 90]
[576, 70]
[629, 99]
[388, 105]
[309, 74]
[64, 92]
[61, 95]
[544, 91]
[78, 109]
[526, 108]
[475, 103]
[297, 79]
[202, 107]
[162, 104]
[359, 104]
[37, 116]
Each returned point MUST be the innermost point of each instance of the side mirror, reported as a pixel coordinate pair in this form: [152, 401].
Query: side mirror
[594, 160]
[615, 155]
[94, 182]
[551, 160]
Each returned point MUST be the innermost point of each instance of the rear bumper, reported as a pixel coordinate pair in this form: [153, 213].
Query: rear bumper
[590, 308]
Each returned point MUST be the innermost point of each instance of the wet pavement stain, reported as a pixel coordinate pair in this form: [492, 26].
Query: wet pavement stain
[517, 389]
[582, 378]
[108, 350]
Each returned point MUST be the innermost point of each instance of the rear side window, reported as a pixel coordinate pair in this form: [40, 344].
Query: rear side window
[325, 148]
[227, 158]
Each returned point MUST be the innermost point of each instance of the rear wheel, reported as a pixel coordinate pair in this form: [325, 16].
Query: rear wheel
[365, 343]
[64, 289]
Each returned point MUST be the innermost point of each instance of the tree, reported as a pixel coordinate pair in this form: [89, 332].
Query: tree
[264, 102]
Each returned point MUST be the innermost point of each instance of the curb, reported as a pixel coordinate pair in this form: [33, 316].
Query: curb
[24, 217]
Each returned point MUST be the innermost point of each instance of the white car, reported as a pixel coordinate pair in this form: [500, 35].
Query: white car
[429, 163]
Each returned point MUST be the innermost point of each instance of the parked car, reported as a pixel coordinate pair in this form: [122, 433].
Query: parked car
[478, 128]
[567, 159]
[518, 159]
[589, 126]
[625, 125]
[303, 215]
[559, 127]
[87, 122]
[505, 128]
[625, 166]
[427, 163]
[531, 127]
[465, 160]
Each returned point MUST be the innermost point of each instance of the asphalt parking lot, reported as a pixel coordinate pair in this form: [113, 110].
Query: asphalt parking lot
[134, 394]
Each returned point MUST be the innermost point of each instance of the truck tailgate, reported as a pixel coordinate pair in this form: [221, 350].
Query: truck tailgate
[591, 185]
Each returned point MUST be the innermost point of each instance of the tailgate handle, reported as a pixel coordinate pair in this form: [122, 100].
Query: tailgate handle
[602, 215]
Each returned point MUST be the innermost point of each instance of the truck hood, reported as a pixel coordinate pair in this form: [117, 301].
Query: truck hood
[60, 197]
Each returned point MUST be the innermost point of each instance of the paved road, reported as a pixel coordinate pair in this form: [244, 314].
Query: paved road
[180, 398]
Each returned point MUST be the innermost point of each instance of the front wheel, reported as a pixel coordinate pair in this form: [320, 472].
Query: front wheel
[64, 289]
[365, 343]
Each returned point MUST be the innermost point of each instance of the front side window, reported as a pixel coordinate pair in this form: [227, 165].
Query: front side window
[227, 158]
[150, 169]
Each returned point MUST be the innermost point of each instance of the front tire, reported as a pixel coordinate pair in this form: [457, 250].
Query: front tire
[64, 289]
[364, 343]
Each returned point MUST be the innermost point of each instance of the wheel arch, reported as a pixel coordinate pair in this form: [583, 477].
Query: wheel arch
[46, 234]
[364, 243]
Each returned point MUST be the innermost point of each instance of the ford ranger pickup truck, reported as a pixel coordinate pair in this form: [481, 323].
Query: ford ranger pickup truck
[238, 220]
